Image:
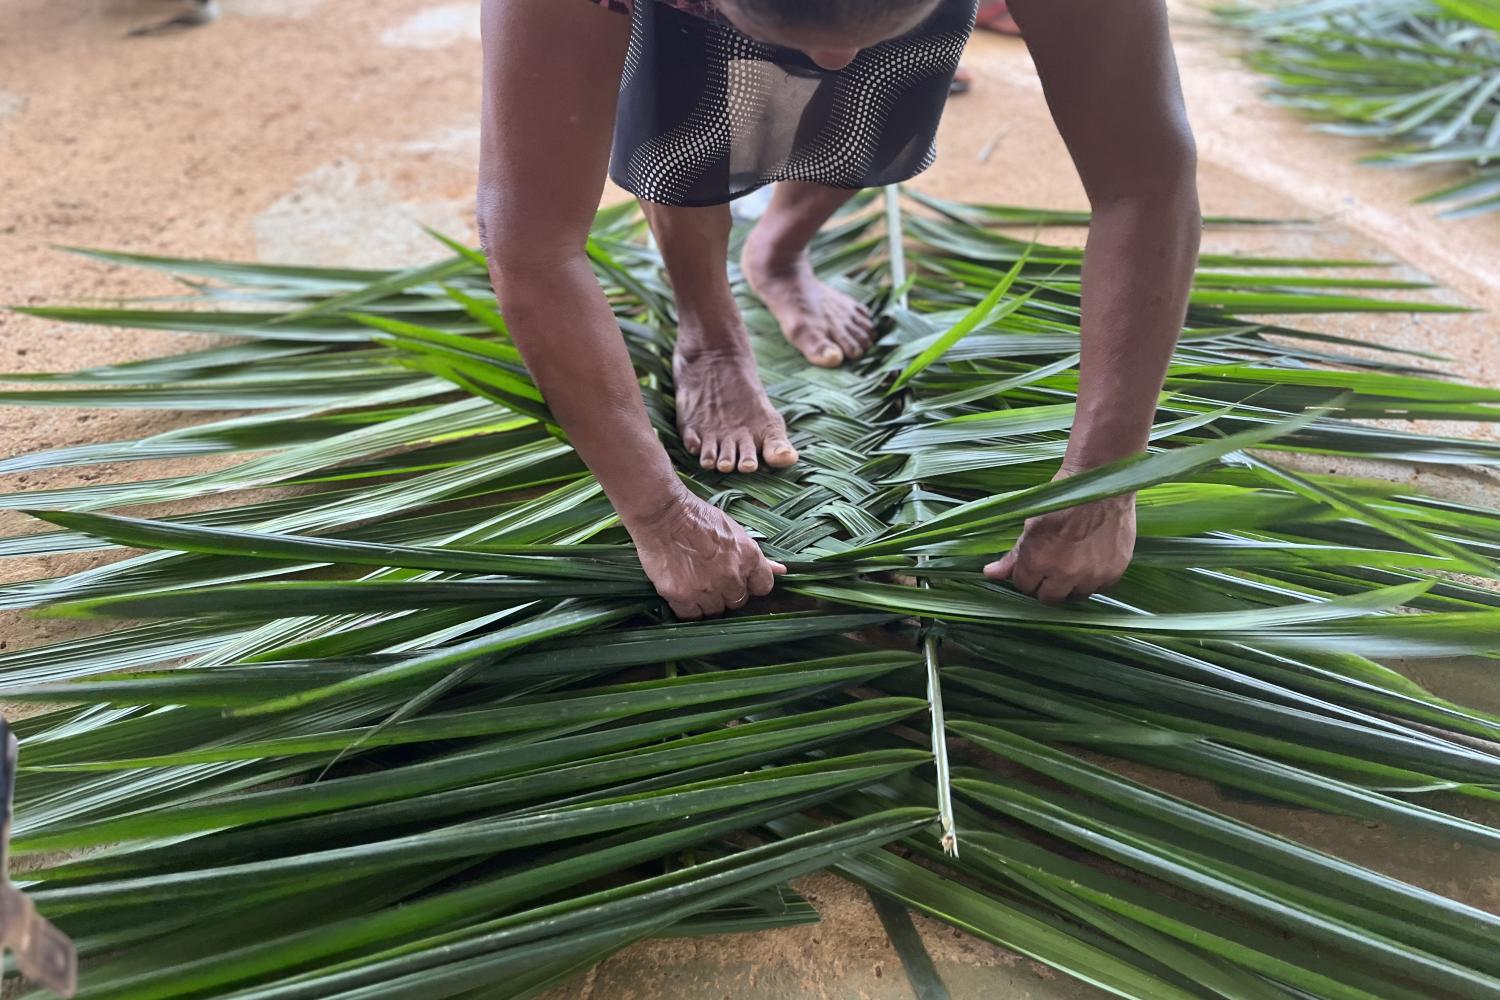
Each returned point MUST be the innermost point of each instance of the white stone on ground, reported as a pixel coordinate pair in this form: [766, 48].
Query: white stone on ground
[340, 215]
[10, 104]
[290, 9]
[436, 27]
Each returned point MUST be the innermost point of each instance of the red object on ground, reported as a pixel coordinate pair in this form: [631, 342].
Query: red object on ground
[995, 16]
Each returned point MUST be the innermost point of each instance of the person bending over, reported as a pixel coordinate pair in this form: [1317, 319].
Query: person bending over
[689, 104]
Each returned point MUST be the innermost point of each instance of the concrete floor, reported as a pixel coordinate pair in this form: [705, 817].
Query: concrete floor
[331, 131]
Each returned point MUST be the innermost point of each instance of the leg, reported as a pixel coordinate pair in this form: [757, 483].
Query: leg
[722, 408]
[827, 326]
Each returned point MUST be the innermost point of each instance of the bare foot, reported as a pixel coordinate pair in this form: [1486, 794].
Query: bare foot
[723, 412]
[826, 325]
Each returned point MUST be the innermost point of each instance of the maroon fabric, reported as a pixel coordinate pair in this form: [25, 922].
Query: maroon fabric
[703, 8]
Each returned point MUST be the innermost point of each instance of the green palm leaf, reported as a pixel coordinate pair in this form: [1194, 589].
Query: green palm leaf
[414, 724]
[1422, 74]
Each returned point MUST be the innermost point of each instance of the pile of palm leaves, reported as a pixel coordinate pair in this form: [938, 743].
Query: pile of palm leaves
[400, 716]
[1424, 74]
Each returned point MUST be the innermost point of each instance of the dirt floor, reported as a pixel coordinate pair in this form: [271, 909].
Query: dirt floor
[332, 131]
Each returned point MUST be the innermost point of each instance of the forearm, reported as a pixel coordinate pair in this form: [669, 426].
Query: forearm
[543, 152]
[1137, 275]
[560, 321]
[1111, 82]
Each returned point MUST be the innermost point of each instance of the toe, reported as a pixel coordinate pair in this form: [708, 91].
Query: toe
[728, 455]
[849, 345]
[863, 336]
[746, 448]
[777, 449]
[692, 441]
[821, 350]
[815, 344]
[708, 455]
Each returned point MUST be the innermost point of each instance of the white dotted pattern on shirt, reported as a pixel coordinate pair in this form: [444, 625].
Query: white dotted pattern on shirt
[666, 167]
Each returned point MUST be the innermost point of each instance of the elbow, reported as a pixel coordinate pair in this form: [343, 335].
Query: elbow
[1180, 165]
[489, 216]
[521, 254]
[501, 230]
[1179, 151]
[1156, 206]
[1161, 177]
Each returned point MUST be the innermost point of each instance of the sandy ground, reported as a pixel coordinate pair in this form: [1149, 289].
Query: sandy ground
[331, 131]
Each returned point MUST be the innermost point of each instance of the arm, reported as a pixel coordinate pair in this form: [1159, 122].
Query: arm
[551, 73]
[1111, 81]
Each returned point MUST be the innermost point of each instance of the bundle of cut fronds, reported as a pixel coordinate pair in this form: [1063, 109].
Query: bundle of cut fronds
[1422, 74]
[398, 715]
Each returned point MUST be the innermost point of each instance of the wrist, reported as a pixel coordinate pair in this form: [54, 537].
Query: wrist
[1112, 423]
[651, 505]
[1072, 466]
[1080, 460]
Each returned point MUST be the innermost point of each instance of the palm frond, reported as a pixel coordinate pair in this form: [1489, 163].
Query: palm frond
[1423, 75]
[421, 726]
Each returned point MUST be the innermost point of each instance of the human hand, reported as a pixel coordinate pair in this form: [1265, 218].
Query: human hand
[700, 559]
[1068, 554]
